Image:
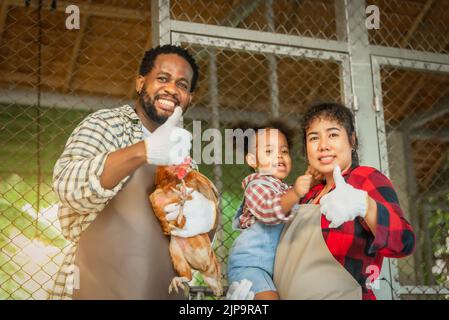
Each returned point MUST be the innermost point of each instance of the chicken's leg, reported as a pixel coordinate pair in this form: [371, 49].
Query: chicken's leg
[181, 267]
[183, 195]
[212, 275]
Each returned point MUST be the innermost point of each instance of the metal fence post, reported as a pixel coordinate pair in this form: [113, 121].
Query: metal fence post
[160, 22]
[272, 63]
[362, 86]
[217, 170]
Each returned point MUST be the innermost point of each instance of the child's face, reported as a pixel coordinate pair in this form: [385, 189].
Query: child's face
[273, 154]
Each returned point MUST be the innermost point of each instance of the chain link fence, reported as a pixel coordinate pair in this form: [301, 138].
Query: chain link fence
[417, 25]
[416, 104]
[308, 18]
[53, 77]
[251, 98]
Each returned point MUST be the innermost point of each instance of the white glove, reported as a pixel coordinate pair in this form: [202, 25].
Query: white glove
[344, 203]
[240, 291]
[199, 213]
[169, 144]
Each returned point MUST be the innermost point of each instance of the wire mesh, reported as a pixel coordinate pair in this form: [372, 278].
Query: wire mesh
[243, 92]
[309, 18]
[52, 78]
[418, 25]
[416, 104]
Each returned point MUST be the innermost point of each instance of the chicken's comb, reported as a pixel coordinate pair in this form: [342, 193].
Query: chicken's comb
[182, 170]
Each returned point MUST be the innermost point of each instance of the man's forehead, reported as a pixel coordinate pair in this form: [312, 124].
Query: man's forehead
[173, 64]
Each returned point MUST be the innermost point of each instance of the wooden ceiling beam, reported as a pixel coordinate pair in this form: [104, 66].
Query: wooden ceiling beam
[84, 101]
[426, 134]
[417, 86]
[438, 110]
[132, 87]
[241, 12]
[422, 14]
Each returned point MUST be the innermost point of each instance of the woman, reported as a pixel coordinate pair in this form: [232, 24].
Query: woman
[334, 247]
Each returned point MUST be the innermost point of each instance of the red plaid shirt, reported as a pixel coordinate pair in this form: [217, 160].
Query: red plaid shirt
[353, 244]
[263, 200]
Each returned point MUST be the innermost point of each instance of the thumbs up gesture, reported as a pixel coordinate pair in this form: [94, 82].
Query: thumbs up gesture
[344, 203]
[169, 144]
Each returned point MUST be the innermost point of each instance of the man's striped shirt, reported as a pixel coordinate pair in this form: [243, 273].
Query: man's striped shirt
[76, 179]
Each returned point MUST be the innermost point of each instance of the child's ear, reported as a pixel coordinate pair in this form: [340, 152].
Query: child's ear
[251, 160]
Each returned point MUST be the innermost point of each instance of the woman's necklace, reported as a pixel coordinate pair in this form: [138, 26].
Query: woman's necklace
[322, 193]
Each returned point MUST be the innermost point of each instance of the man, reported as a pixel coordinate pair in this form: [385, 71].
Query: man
[103, 179]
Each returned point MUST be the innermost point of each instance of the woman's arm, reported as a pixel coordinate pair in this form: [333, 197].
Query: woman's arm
[393, 234]
[371, 215]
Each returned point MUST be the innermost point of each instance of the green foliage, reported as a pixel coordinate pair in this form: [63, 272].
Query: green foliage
[25, 179]
[439, 231]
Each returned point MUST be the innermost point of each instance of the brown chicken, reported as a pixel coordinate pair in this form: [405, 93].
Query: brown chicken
[193, 252]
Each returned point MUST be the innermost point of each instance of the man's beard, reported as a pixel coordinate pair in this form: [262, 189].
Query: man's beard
[150, 109]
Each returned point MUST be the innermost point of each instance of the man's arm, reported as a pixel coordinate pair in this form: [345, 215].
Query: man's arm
[121, 163]
[167, 145]
[79, 172]
[93, 167]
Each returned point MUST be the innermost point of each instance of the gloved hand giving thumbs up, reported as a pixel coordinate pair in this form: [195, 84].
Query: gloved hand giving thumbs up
[344, 203]
[169, 144]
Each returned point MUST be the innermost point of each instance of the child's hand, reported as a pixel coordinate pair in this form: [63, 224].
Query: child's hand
[317, 176]
[303, 185]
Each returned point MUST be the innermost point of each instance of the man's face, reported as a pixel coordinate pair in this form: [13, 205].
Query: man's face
[165, 87]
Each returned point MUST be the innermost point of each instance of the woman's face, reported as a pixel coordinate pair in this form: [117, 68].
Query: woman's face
[327, 145]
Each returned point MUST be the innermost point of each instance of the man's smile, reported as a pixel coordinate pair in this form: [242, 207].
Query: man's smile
[166, 103]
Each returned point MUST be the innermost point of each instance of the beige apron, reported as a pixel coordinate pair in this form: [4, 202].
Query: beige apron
[304, 268]
[123, 253]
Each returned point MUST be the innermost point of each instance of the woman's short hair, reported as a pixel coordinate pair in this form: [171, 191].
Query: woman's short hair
[336, 112]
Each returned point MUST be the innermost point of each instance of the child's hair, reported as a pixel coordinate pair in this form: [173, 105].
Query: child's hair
[272, 123]
[336, 112]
